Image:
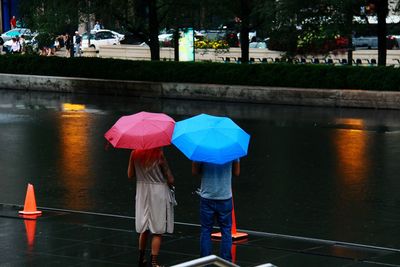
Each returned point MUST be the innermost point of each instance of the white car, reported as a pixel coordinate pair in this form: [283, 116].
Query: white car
[165, 36]
[252, 36]
[120, 36]
[100, 38]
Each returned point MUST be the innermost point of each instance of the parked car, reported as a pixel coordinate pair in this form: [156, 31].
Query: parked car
[100, 38]
[7, 44]
[365, 42]
[252, 36]
[14, 33]
[371, 42]
[166, 37]
[120, 36]
[393, 42]
[262, 44]
[134, 38]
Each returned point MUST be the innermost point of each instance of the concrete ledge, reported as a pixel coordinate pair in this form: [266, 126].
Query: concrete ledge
[214, 92]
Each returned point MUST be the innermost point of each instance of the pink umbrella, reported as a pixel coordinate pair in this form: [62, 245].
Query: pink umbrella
[143, 130]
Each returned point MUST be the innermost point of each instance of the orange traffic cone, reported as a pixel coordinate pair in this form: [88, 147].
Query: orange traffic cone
[30, 203]
[235, 234]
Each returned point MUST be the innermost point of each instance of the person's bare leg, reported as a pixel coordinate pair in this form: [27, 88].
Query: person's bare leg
[142, 247]
[155, 248]
[143, 240]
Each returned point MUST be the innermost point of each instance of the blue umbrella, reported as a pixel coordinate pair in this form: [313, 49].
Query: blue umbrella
[211, 139]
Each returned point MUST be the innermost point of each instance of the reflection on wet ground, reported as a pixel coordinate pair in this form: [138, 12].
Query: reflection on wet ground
[321, 173]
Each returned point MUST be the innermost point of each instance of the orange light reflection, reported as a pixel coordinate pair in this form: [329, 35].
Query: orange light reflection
[74, 160]
[73, 107]
[351, 150]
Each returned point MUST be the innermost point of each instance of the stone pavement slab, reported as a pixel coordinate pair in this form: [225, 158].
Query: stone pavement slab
[67, 238]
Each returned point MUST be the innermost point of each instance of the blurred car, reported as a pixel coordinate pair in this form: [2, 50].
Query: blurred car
[120, 36]
[258, 45]
[371, 42]
[14, 33]
[134, 38]
[99, 38]
[393, 42]
[7, 44]
[252, 36]
[166, 36]
[213, 35]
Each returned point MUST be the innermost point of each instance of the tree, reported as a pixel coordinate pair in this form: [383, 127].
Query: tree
[50, 16]
[381, 8]
[248, 15]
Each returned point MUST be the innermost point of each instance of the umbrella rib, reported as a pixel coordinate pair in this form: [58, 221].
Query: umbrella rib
[163, 130]
[230, 138]
[201, 141]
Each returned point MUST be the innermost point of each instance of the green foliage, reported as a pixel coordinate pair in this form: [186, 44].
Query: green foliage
[45, 40]
[284, 75]
[51, 16]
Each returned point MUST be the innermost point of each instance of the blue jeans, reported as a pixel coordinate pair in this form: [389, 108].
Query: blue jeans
[222, 211]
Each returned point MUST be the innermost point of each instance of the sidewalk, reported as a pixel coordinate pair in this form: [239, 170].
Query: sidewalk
[68, 238]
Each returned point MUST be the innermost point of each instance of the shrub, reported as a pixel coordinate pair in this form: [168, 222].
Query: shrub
[285, 75]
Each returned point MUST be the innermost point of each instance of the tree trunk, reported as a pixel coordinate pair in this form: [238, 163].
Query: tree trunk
[176, 44]
[350, 48]
[153, 30]
[244, 43]
[382, 9]
[244, 30]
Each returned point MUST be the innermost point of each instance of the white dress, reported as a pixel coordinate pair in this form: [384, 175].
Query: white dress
[154, 203]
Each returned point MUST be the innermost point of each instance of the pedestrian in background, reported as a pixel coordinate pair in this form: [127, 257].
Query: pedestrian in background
[22, 43]
[15, 46]
[154, 213]
[216, 203]
[78, 44]
[68, 44]
[13, 22]
[97, 26]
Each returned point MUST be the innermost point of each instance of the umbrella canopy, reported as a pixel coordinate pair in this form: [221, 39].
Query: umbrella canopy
[211, 139]
[143, 130]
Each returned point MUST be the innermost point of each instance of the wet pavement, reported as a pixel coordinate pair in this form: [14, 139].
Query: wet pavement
[70, 238]
[326, 174]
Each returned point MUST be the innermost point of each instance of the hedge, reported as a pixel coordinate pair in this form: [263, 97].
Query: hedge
[280, 75]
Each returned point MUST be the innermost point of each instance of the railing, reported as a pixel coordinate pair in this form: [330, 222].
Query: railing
[214, 260]
[257, 55]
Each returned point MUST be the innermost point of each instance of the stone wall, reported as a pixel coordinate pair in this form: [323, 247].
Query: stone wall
[213, 92]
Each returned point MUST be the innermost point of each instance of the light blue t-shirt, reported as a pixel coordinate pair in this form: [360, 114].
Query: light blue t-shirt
[216, 181]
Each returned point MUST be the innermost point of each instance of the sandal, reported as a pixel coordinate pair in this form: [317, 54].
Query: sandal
[142, 262]
[154, 262]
